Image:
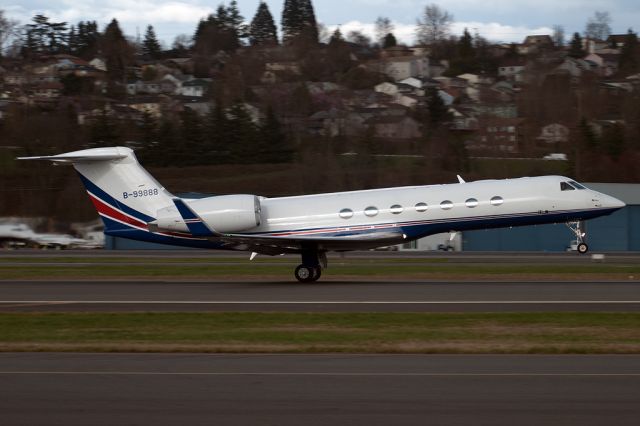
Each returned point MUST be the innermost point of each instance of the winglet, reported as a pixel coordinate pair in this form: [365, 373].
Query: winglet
[196, 225]
[460, 179]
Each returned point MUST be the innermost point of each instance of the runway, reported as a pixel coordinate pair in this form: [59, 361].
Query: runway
[135, 296]
[107, 389]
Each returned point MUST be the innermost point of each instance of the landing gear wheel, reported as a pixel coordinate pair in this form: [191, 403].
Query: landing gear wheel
[305, 274]
[317, 273]
[583, 248]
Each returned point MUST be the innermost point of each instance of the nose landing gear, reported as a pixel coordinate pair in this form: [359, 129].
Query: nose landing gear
[576, 228]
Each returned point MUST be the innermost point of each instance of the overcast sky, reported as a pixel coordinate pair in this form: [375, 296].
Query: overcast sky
[497, 20]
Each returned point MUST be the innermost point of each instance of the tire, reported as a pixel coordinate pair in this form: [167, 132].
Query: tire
[583, 248]
[305, 274]
[317, 273]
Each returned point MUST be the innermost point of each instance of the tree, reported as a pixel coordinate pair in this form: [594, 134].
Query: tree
[359, 38]
[87, 38]
[220, 31]
[45, 37]
[150, 44]
[8, 30]
[629, 62]
[274, 146]
[383, 27]
[438, 111]
[117, 52]
[263, 30]
[575, 47]
[389, 41]
[558, 36]
[336, 37]
[299, 21]
[598, 27]
[434, 25]
[310, 24]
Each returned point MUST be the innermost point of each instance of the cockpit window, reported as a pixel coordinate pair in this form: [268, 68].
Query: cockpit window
[577, 185]
[564, 186]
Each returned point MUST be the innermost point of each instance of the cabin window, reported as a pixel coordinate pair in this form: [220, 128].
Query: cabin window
[421, 207]
[396, 209]
[564, 186]
[497, 201]
[346, 213]
[577, 185]
[471, 203]
[446, 205]
[371, 211]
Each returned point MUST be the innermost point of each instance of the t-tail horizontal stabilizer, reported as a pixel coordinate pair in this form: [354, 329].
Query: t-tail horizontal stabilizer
[196, 225]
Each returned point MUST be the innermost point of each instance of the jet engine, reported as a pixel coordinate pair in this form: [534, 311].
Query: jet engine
[223, 214]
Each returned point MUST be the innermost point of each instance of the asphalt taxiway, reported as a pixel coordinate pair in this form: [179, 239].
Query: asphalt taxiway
[136, 389]
[117, 296]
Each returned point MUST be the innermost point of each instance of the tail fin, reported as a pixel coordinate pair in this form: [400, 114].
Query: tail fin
[122, 191]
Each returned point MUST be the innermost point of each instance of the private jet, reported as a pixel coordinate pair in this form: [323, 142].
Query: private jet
[132, 204]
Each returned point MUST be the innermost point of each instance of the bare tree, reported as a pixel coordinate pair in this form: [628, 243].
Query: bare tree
[383, 27]
[434, 25]
[358, 37]
[8, 29]
[558, 35]
[599, 26]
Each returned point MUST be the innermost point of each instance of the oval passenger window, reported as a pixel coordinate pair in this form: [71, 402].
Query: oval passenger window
[346, 213]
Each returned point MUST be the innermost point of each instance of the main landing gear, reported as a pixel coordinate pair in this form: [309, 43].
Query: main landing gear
[311, 268]
[576, 228]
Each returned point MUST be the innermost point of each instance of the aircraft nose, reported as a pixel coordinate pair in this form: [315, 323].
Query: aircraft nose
[613, 203]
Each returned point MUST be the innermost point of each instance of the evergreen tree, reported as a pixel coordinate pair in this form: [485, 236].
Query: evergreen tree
[465, 46]
[117, 52]
[575, 47]
[274, 146]
[336, 38]
[45, 37]
[291, 20]
[191, 138]
[243, 140]
[150, 45]
[389, 41]
[236, 21]
[299, 20]
[216, 130]
[87, 39]
[438, 111]
[310, 24]
[263, 30]
[72, 41]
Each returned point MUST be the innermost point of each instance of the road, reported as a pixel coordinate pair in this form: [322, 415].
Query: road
[321, 297]
[142, 389]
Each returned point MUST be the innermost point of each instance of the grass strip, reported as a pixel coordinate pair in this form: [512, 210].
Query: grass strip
[9, 272]
[477, 333]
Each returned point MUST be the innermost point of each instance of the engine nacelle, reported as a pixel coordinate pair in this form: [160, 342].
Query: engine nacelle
[223, 214]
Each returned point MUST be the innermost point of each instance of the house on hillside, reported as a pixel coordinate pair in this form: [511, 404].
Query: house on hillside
[554, 133]
[617, 41]
[401, 68]
[197, 87]
[395, 127]
[535, 43]
[512, 69]
[498, 135]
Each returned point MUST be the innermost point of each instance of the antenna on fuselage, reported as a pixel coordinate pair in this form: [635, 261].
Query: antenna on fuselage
[460, 180]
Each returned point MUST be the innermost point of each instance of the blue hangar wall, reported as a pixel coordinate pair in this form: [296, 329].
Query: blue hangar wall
[619, 231]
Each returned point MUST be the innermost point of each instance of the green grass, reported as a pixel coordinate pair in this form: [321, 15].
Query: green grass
[348, 269]
[323, 332]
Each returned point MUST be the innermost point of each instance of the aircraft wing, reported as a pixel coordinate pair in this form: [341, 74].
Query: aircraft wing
[274, 245]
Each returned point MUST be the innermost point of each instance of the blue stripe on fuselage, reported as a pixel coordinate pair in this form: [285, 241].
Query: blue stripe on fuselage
[108, 199]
